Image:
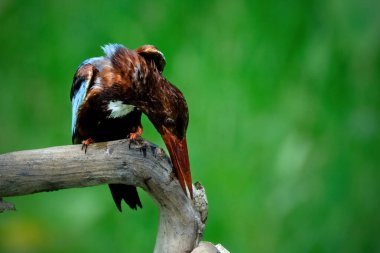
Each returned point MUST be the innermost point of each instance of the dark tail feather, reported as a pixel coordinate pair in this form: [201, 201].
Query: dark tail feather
[126, 192]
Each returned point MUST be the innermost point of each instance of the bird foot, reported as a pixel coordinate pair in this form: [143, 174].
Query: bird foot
[86, 143]
[138, 142]
[135, 135]
[135, 139]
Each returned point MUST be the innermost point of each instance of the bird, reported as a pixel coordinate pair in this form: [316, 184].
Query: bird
[108, 96]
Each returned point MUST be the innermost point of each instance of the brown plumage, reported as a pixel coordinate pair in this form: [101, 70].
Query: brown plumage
[91, 121]
[108, 95]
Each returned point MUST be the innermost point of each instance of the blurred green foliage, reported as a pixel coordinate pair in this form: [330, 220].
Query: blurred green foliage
[284, 102]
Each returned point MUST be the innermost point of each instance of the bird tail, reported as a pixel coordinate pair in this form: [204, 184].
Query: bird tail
[126, 192]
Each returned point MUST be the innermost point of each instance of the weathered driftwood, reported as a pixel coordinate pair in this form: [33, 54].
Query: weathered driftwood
[181, 223]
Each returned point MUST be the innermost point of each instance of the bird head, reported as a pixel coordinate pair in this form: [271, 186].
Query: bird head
[167, 110]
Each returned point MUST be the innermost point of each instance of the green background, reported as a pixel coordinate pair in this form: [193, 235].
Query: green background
[284, 103]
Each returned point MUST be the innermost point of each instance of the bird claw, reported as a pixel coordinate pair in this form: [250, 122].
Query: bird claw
[86, 143]
[135, 137]
[135, 141]
[139, 143]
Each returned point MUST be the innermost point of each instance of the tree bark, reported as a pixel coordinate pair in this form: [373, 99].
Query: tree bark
[143, 164]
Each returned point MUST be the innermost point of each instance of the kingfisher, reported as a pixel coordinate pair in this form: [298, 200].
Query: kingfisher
[109, 95]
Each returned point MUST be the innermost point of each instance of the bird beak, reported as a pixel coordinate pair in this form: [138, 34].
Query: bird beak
[180, 159]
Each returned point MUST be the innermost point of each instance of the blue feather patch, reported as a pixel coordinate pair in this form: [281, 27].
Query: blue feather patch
[77, 101]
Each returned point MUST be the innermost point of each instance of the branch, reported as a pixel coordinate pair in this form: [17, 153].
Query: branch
[144, 165]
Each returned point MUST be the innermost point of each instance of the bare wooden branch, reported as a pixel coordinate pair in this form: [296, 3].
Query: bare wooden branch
[144, 165]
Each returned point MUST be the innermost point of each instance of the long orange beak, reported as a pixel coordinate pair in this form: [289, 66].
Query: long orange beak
[180, 159]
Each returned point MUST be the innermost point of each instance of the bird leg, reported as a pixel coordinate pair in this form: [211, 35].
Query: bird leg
[135, 135]
[86, 143]
[134, 138]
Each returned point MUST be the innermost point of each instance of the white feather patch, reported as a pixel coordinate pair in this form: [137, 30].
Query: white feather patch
[118, 109]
